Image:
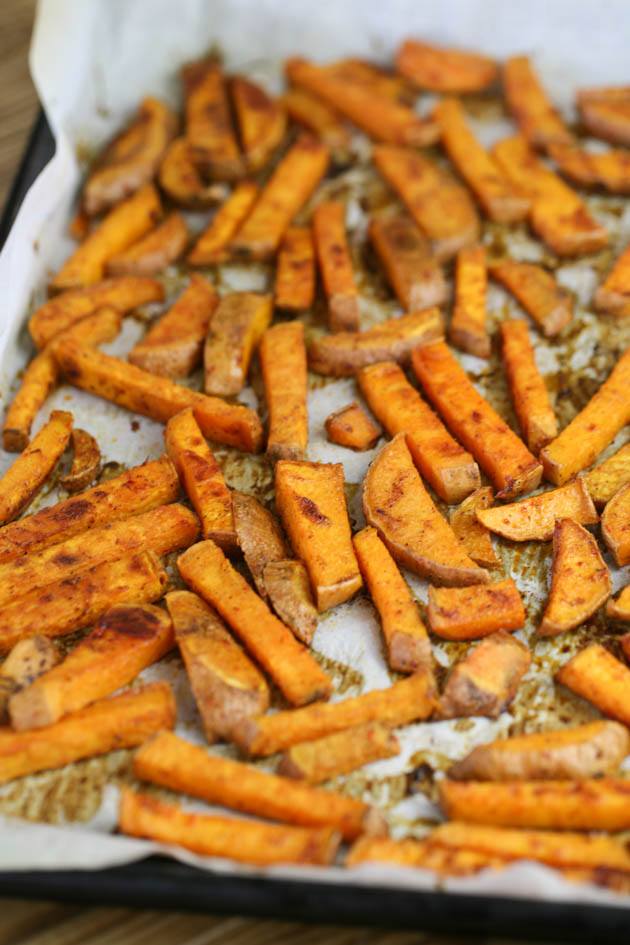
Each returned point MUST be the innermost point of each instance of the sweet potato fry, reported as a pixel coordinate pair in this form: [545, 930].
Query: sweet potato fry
[261, 121]
[499, 199]
[314, 114]
[536, 117]
[338, 754]
[408, 700]
[530, 397]
[225, 683]
[625, 645]
[79, 225]
[235, 330]
[247, 841]
[469, 530]
[312, 504]
[468, 330]
[380, 81]
[590, 432]
[295, 272]
[157, 397]
[289, 187]
[176, 764]
[469, 613]
[335, 264]
[282, 356]
[448, 468]
[580, 582]
[613, 295]
[27, 660]
[272, 645]
[289, 590]
[550, 306]
[125, 641]
[605, 113]
[586, 751]
[534, 519]
[619, 607]
[608, 169]
[440, 69]
[86, 462]
[180, 178]
[602, 680]
[405, 254]
[108, 725]
[173, 346]
[201, 477]
[121, 228]
[420, 854]
[259, 536]
[441, 206]
[155, 251]
[211, 247]
[486, 680]
[616, 525]
[396, 503]
[406, 639]
[500, 453]
[209, 130]
[352, 427]
[341, 355]
[38, 381]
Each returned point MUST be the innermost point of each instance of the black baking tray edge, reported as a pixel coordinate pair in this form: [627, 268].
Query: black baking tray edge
[161, 883]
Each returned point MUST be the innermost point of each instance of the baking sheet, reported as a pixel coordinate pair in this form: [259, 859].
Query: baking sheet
[92, 62]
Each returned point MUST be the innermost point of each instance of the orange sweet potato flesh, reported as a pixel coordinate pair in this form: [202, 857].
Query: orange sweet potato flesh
[538, 120]
[405, 254]
[234, 332]
[500, 453]
[259, 537]
[613, 295]
[619, 608]
[313, 113]
[486, 680]
[602, 680]
[530, 397]
[396, 503]
[605, 113]
[352, 427]
[550, 306]
[261, 121]
[534, 519]
[294, 289]
[420, 854]
[27, 660]
[608, 169]
[38, 381]
[382, 82]
[335, 264]
[443, 69]
[443, 463]
[209, 130]
[311, 501]
[155, 251]
[212, 247]
[282, 356]
[288, 587]
[468, 330]
[616, 525]
[469, 613]
[182, 180]
[86, 462]
[338, 754]
[469, 530]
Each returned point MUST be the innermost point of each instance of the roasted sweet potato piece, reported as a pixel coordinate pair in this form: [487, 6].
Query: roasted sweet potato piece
[405, 254]
[38, 381]
[108, 725]
[419, 853]
[341, 355]
[282, 356]
[79, 225]
[396, 503]
[468, 330]
[180, 178]
[440, 205]
[500, 453]
[226, 685]
[338, 754]
[534, 519]
[598, 677]
[352, 427]
[625, 645]
[287, 190]
[235, 329]
[157, 397]
[27, 660]
[312, 504]
[381, 81]
[272, 645]
[173, 346]
[486, 680]
[86, 462]
[605, 113]
[613, 295]
[469, 530]
[155, 251]
[608, 169]
[294, 290]
[530, 397]
[536, 117]
[580, 582]
[201, 477]
[406, 639]
[288, 588]
[440, 69]
[209, 131]
[616, 525]
[261, 121]
[550, 306]
[335, 264]
[619, 607]
[469, 613]
[445, 465]
[590, 432]
[121, 228]
[211, 247]
[313, 113]
[259, 537]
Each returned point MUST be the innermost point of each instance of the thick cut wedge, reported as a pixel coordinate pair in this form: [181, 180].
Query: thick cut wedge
[182, 180]
[607, 169]
[605, 112]
[619, 608]
[261, 121]
[471, 533]
[335, 264]
[289, 590]
[155, 251]
[235, 329]
[26, 661]
[282, 356]
[528, 390]
[534, 519]
[536, 117]
[259, 537]
[410, 267]
[468, 330]
[613, 295]
[295, 273]
[338, 754]
[616, 525]
[602, 680]
[86, 462]
[212, 247]
[469, 613]
[209, 130]
[381, 81]
[313, 113]
[352, 427]
[550, 306]
[444, 69]
[486, 680]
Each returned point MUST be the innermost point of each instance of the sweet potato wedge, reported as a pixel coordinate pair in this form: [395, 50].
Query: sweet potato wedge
[211, 247]
[616, 525]
[471, 533]
[396, 503]
[237, 326]
[261, 121]
[442, 69]
[468, 330]
[534, 519]
[86, 462]
[605, 113]
[618, 608]
[341, 355]
[338, 754]
[446, 466]
[607, 169]
[26, 661]
[406, 639]
[527, 100]
[294, 289]
[441, 206]
[335, 264]
[209, 130]
[379, 80]
[155, 251]
[469, 613]
[549, 305]
[289, 590]
[486, 680]
[201, 477]
[37, 383]
[282, 356]
[259, 536]
[590, 432]
[405, 254]
[530, 397]
[181, 179]
[312, 504]
[602, 680]
[314, 114]
[273, 646]
[420, 854]
[352, 427]
[500, 453]
[613, 295]
[225, 683]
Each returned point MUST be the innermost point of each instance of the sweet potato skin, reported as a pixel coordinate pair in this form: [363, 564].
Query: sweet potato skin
[457, 613]
[86, 462]
[616, 525]
[154, 252]
[529, 394]
[259, 536]
[338, 754]
[467, 330]
[235, 330]
[487, 679]
[289, 591]
[534, 519]
[38, 381]
[598, 677]
[352, 427]
[27, 660]
[181, 179]
[335, 264]
[605, 480]
[295, 272]
[211, 247]
[439, 69]
[548, 304]
[405, 254]
[261, 121]
[470, 532]
[282, 356]
[619, 608]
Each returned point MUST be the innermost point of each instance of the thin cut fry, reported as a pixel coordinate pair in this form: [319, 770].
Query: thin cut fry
[338, 754]
[534, 519]
[38, 381]
[295, 272]
[607, 169]
[335, 263]
[605, 113]
[261, 121]
[154, 252]
[469, 530]
[469, 613]
[27, 660]
[550, 306]
[537, 118]
[468, 330]
[259, 537]
[529, 393]
[238, 324]
[598, 677]
[352, 427]
[440, 69]
[211, 247]
[313, 113]
[613, 295]
[282, 356]
[486, 680]
[209, 131]
[86, 462]
[619, 607]
[180, 178]
[405, 254]
[616, 525]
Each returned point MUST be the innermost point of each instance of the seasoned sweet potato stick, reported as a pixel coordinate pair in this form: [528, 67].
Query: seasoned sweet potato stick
[380, 81]
[530, 397]
[537, 118]
[352, 427]
[341, 355]
[419, 853]
[396, 503]
[86, 462]
[289, 187]
[440, 69]
[338, 754]
[27, 660]
[259, 537]
[616, 525]
[295, 273]
[181, 179]
[282, 356]
[590, 432]
[405, 254]
[550, 306]
[613, 295]
[289, 590]
[313, 113]
[406, 638]
[173, 763]
[608, 169]
[486, 680]
[247, 841]
[335, 263]
[469, 613]
[445, 465]
[261, 121]
[619, 609]
[598, 677]
[273, 646]
[469, 530]
[108, 725]
[125, 641]
[211, 247]
[38, 381]
[534, 519]
[312, 504]
[121, 228]
[441, 207]
[235, 329]
[201, 477]
[157, 397]
[468, 330]
[209, 129]
[605, 113]
[405, 701]
[154, 252]
[225, 683]
[173, 346]
[500, 453]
